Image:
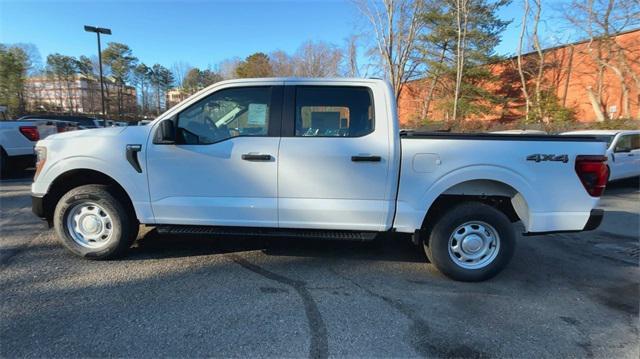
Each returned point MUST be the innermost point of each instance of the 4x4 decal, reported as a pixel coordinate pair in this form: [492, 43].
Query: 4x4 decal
[542, 157]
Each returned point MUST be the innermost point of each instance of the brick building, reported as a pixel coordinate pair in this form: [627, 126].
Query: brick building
[79, 95]
[574, 73]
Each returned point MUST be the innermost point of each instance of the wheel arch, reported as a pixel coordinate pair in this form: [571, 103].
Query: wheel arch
[497, 186]
[77, 177]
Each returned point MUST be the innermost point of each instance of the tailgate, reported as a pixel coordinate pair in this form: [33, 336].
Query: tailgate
[46, 128]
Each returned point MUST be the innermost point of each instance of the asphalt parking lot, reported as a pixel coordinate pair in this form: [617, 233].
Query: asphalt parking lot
[565, 295]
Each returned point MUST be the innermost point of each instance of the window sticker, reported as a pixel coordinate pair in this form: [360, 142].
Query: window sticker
[257, 114]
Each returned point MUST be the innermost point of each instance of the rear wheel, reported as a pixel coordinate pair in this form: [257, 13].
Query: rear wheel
[92, 221]
[471, 242]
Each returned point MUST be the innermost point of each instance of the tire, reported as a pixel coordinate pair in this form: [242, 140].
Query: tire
[5, 165]
[471, 242]
[104, 226]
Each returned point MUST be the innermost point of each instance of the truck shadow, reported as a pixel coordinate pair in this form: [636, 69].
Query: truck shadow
[628, 185]
[388, 248]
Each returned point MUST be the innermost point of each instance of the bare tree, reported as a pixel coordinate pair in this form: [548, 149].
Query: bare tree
[601, 21]
[395, 26]
[521, 71]
[537, 12]
[317, 59]
[351, 57]
[179, 69]
[227, 68]
[530, 20]
[282, 64]
[462, 17]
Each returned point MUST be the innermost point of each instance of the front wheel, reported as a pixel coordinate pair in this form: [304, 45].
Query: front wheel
[92, 221]
[471, 242]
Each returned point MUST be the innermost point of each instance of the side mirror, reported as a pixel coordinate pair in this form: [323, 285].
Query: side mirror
[166, 133]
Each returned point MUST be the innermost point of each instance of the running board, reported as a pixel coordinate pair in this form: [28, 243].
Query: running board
[267, 232]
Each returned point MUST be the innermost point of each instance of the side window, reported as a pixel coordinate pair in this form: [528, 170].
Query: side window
[331, 111]
[624, 144]
[635, 142]
[233, 112]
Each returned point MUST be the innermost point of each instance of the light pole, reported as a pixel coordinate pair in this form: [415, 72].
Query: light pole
[98, 31]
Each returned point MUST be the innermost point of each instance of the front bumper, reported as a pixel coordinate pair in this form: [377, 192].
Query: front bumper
[37, 206]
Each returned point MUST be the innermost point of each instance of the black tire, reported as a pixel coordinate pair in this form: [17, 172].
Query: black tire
[123, 223]
[5, 165]
[437, 249]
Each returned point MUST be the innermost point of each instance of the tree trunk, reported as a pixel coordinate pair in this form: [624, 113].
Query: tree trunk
[461, 12]
[158, 99]
[434, 81]
[626, 112]
[523, 79]
[595, 104]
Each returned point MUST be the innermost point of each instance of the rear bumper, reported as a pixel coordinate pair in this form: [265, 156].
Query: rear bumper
[595, 218]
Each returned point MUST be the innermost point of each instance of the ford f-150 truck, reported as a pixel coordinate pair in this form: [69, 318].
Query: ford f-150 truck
[17, 139]
[315, 158]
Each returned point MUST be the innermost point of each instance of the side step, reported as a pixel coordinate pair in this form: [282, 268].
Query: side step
[267, 232]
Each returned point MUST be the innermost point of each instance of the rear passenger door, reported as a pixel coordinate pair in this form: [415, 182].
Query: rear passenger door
[333, 170]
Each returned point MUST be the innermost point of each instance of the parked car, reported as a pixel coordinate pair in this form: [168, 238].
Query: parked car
[17, 141]
[623, 151]
[84, 122]
[315, 158]
[64, 126]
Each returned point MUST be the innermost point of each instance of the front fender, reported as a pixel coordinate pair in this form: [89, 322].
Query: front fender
[131, 181]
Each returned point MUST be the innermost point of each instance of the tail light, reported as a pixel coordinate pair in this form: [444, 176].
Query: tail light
[593, 173]
[30, 132]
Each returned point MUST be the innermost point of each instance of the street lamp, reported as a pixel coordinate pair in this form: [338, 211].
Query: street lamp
[98, 31]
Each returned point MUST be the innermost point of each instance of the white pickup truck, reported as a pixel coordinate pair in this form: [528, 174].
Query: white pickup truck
[17, 140]
[315, 158]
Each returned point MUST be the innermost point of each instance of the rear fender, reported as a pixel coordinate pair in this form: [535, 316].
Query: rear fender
[524, 201]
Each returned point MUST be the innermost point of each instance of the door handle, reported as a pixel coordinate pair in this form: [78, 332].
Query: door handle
[256, 157]
[366, 158]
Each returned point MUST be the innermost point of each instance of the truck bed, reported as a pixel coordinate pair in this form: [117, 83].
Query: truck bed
[536, 173]
[499, 136]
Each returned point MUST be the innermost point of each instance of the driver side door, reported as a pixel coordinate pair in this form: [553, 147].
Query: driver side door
[222, 170]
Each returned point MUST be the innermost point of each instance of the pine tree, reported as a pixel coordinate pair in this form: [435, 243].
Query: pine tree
[442, 53]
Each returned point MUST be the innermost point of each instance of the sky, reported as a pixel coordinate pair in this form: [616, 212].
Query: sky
[204, 33]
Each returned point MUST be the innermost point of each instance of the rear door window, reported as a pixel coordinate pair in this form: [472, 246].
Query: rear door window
[333, 111]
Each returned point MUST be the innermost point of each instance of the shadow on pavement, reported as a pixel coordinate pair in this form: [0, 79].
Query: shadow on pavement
[154, 245]
[627, 185]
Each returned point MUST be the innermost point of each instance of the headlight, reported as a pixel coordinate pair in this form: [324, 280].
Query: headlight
[41, 158]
